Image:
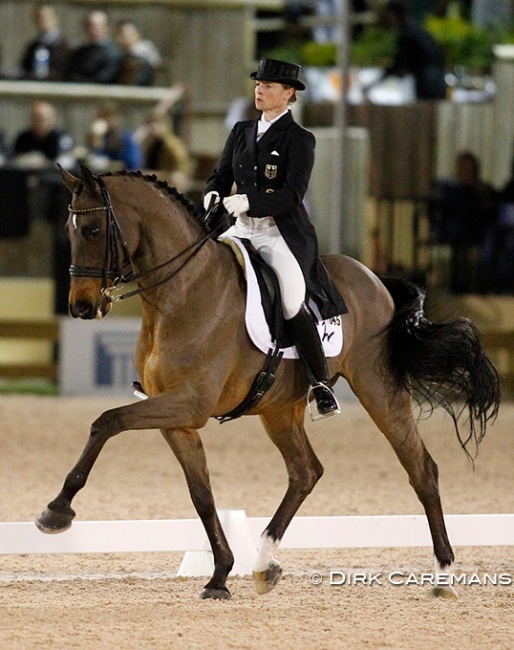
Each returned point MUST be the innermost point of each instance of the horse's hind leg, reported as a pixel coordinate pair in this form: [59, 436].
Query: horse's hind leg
[286, 430]
[392, 413]
[188, 448]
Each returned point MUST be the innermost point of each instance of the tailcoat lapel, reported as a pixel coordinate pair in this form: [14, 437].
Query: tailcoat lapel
[275, 131]
[250, 139]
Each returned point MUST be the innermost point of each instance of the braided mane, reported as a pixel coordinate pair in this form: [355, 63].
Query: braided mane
[162, 185]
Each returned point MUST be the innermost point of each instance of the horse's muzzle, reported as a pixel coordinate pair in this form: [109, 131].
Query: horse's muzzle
[87, 310]
[87, 301]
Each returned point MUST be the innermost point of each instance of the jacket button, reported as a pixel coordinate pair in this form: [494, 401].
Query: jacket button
[255, 168]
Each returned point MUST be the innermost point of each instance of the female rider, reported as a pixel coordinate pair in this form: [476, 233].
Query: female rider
[270, 160]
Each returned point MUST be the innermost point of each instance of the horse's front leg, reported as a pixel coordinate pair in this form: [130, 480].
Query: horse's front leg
[188, 448]
[154, 413]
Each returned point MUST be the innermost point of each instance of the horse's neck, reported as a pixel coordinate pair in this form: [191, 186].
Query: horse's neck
[167, 230]
[171, 251]
[201, 276]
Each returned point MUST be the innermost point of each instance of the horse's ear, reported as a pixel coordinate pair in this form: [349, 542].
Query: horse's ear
[88, 179]
[72, 182]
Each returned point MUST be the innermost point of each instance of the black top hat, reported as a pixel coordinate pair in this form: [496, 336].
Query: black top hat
[280, 72]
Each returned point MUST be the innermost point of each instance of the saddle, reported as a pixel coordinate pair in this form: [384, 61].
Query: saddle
[264, 316]
[270, 296]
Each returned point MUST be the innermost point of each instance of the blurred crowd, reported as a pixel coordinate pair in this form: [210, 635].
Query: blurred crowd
[109, 54]
[114, 54]
[110, 145]
[471, 217]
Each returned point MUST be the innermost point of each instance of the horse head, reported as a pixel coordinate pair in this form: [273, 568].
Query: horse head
[99, 252]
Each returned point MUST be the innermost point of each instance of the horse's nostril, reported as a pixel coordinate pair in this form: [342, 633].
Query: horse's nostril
[82, 309]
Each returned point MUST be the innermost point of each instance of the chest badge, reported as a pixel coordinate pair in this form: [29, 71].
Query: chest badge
[271, 171]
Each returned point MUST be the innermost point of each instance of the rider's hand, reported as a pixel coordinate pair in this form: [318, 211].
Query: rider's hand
[236, 204]
[208, 197]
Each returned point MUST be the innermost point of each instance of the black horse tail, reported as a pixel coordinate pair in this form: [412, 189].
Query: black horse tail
[443, 363]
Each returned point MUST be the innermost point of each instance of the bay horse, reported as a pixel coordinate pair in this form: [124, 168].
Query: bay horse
[195, 359]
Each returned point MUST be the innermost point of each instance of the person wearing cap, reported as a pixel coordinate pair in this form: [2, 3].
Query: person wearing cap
[270, 160]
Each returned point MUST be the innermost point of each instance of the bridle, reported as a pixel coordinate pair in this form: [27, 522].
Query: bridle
[117, 265]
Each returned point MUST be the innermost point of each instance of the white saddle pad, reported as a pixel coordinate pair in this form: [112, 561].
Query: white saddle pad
[330, 331]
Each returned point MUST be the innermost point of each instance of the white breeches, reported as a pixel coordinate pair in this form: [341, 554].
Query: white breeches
[266, 238]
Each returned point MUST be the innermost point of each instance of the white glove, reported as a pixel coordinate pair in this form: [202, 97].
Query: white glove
[207, 199]
[236, 204]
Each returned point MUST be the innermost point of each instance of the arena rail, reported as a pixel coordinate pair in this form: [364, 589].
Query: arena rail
[46, 331]
[188, 536]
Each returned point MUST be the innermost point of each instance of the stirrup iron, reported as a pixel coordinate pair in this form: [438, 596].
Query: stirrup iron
[321, 416]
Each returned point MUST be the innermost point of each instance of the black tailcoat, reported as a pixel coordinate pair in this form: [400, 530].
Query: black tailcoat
[274, 173]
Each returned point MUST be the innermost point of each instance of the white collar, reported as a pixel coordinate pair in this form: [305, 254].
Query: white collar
[263, 125]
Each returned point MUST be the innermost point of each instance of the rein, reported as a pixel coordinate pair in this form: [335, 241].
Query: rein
[113, 269]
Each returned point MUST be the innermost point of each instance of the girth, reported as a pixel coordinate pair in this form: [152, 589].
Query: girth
[261, 384]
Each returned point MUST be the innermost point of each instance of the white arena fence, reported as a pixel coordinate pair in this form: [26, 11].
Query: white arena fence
[188, 536]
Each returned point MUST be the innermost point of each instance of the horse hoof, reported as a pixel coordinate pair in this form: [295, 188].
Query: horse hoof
[265, 581]
[215, 594]
[444, 592]
[51, 522]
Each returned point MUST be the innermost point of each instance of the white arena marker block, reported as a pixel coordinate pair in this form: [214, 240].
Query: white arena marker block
[196, 564]
[241, 541]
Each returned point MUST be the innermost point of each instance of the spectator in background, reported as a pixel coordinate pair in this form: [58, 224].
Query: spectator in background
[38, 147]
[417, 53]
[464, 213]
[43, 137]
[165, 153]
[45, 57]
[111, 143]
[497, 255]
[98, 59]
[140, 58]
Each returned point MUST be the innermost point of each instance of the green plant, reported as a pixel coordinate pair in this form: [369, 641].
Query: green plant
[291, 51]
[373, 48]
[464, 43]
[307, 53]
[319, 54]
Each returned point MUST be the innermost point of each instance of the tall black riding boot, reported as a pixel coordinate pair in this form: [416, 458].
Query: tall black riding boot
[306, 338]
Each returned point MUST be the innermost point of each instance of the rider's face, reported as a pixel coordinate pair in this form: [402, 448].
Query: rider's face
[271, 97]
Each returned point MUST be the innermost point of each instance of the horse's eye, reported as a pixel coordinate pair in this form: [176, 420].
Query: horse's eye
[91, 232]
